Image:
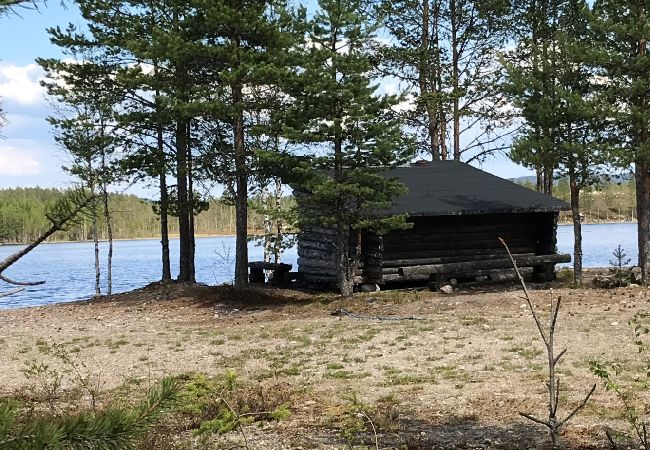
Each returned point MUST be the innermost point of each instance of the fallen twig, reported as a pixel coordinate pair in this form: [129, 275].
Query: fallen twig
[239, 424]
[345, 312]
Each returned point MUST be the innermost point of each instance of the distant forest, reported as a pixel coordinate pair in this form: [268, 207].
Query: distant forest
[23, 217]
[22, 213]
[609, 202]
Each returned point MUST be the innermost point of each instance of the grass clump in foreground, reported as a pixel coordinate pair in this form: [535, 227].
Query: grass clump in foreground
[108, 429]
[205, 405]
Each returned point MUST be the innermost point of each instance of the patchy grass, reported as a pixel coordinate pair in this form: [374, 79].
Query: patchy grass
[467, 369]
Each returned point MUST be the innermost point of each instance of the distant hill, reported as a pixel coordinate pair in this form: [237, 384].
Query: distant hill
[530, 179]
[614, 178]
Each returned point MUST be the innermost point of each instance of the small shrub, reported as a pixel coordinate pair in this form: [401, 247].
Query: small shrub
[634, 409]
[359, 421]
[46, 384]
[63, 367]
[619, 266]
[223, 404]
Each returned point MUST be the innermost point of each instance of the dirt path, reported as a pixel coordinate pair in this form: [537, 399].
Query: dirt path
[457, 378]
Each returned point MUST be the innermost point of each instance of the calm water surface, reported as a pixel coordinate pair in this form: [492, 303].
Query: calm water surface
[69, 271]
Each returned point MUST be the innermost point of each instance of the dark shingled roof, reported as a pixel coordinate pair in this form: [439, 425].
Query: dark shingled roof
[443, 188]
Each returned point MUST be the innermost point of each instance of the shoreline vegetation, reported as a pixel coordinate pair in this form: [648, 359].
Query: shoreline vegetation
[23, 218]
[253, 234]
[23, 214]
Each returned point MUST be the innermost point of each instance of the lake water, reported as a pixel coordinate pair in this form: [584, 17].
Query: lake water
[69, 271]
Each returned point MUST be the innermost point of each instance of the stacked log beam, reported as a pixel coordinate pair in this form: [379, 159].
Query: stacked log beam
[470, 242]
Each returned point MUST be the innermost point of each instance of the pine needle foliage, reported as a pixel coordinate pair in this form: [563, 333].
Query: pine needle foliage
[111, 429]
[353, 131]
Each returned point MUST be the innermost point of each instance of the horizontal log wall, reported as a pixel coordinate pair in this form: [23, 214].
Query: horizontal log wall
[466, 238]
[317, 255]
[433, 240]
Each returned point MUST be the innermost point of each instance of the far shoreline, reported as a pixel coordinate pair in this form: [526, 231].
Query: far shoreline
[213, 235]
[148, 238]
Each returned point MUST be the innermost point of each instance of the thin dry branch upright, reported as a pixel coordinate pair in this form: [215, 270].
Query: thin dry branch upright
[553, 424]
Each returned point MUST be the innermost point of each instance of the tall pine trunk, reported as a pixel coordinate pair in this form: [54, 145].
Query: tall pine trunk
[423, 80]
[164, 208]
[185, 252]
[241, 196]
[109, 224]
[345, 273]
[109, 231]
[268, 226]
[548, 181]
[642, 181]
[190, 203]
[577, 229]
[455, 76]
[345, 278]
[349, 259]
[539, 179]
[93, 232]
[93, 228]
[442, 117]
[277, 250]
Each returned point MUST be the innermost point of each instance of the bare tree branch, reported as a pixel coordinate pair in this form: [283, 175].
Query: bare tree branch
[20, 283]
[579, 407]
[553, 384]
[11, 292]
[59, 221]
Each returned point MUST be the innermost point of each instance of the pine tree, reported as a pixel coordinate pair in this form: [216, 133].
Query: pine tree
[580, 151]
[13, 6]
[446, 51]
[530, 74]
[353, 129]
[249, 42]
[622, 62]
[143, 120]
[85, 128]
[553, 87]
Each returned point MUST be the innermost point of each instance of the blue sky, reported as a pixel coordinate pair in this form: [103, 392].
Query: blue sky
[28, 154]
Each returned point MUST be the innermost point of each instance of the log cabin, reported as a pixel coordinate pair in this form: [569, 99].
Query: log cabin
[458, 213]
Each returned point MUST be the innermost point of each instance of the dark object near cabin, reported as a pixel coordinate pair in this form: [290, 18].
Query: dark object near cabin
[280, 272]
[458, 213]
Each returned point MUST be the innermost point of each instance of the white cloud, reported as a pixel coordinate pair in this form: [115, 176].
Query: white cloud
[21, 83]
[16, 162]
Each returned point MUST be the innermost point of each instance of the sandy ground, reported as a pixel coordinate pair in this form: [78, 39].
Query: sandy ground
[457, 378]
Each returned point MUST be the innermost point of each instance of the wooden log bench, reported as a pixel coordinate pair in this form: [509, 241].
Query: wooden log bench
[280, 272]
[543, 268]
